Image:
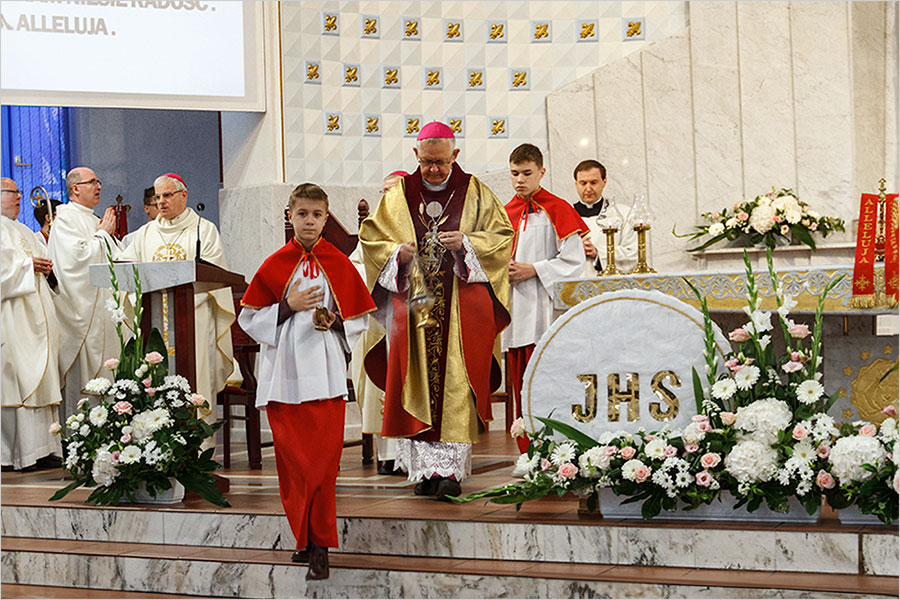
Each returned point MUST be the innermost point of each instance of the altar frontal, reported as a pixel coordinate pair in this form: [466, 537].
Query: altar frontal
[618, 362]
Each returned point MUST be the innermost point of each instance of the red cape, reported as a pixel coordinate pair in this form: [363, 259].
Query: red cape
[562, 214]
[270, 283]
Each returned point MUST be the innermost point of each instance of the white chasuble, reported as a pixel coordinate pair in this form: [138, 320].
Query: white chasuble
[30, 348]
[531, 301]
[164, 240]
[299, 363]
[87, 333]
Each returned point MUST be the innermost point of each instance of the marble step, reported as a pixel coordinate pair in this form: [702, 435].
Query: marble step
[238, 572]
[822, 548]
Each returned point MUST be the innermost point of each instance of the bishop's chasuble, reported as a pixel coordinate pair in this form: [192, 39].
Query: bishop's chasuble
[438, 381]
[164, 240]
[30, 348]
[87, 333]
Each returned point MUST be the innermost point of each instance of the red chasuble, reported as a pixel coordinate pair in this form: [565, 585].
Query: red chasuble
[270, 284]
[562, 215]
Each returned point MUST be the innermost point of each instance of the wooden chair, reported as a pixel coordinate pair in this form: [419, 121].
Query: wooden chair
[346, 242]
[245, 352]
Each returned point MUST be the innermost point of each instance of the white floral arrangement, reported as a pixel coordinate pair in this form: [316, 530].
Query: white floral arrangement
[778, 216]
[145, 426]
[762, 433]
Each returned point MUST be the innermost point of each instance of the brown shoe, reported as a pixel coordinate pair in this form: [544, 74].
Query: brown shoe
[446, 489]
[318, 563]
[300, 556]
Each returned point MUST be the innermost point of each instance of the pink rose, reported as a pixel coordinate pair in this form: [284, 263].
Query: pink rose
[111, 363]
[641, 474]
[742, 216]
[799, 432]
[703, 479]
[81, 403]
[785, 229]
[823, 451]
[153, 358]
[567, 471]
[627, 452]
[710, 460]
[868, 429]
[889, 410]
[824, 480]
[115, 456]
[703, 427]
[727, 418]
[55, 428]
[546, 464]
[126, 437]
[791, 366]
[799, 331]
[739, 335]
[610, 450]
[122, 407]
[151, 392]
[197, 399]
[670, 451]
[517, 429]
[691, 448]
[147, 382]
[813, 226]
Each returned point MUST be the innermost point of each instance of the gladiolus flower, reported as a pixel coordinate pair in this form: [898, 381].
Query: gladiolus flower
[739, 335]
[799, 331]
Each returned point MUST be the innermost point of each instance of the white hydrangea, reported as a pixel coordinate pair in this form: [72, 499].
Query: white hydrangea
[592, 462]
[763, 419]
[762, 218]
[750, 461]
[98, 416]
[98, 385]
[849, 454]
[889, 430]
[144, 424]
[104, 471]
[563, 453]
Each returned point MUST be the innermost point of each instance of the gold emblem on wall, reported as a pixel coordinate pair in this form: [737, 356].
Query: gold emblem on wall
[452, 30]
[371, 124]
[433, 78]
[519, 79]
[312, 71]
[870, 393]
[498, 126]
[350, 74]
[371, 26]
[540, 31]
[334, 122]
[390, 76]
[412, 29]
[475, 79]
[587, 31]
[497, 31]
[456, 125]
[634, 28]
[330, 22]
[412, 125]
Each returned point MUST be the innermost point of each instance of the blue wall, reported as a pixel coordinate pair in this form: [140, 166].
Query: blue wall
[129, 148]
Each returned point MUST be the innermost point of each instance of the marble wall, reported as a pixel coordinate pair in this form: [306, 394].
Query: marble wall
[749, 95]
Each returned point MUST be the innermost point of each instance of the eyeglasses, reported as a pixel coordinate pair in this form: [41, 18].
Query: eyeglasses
[90, 182]
[440, 164]
[16, 192]
[153, 204]
[165, 195]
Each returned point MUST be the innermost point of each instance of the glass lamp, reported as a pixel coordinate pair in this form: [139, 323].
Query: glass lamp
[640, 218]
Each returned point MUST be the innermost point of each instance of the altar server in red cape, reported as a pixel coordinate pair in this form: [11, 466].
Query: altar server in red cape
[437, 380]
[307, 307]
[547, 248]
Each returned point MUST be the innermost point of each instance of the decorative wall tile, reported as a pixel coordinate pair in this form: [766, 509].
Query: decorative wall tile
[350, 74]
[432, 78]
[311, 72]
[412, 28]
[475, 79]
[495, 32]
[458, 124]
[372, 125]
[519, 79]
[331, 23]
[411, 125]
[453, 30]
[633, 29]
[586, 30]
[369, 26]
[498, 127]
[332, 123]
[390, 77]
[542, 31]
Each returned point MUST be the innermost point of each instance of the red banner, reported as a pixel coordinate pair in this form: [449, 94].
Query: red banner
[890, 247]
[864, 266]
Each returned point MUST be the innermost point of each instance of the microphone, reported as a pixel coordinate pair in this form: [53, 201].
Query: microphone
[197, 258]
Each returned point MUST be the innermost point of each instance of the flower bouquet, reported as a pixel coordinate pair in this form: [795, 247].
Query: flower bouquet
[778, 216]
[762, 433]
[145, 430]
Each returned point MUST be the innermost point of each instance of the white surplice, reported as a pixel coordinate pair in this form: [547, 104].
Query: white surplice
[298, 363]
[30, 348]
[531, 301]
[87, 332]
[164, 240]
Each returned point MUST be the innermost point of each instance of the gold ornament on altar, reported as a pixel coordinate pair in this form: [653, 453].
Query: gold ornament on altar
[640, 218]
[610, 225]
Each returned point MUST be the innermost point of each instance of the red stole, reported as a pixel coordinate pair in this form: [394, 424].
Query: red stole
[270, 283]
[562, 215]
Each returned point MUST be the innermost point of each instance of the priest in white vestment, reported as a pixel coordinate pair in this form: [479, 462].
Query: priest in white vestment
[599, 213]
[173, 236]
[78, 239]
[30, 344]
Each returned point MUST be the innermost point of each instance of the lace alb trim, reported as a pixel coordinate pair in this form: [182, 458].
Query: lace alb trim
[390, 274]
[423, 459]
[474, 272]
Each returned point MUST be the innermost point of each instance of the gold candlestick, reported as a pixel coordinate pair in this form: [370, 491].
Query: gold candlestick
[610, 269]
[642, 266]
